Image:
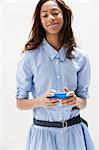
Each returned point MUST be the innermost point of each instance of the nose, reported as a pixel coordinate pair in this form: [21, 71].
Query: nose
[51, 17]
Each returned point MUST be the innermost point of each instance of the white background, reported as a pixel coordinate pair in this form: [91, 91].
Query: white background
[15, 24]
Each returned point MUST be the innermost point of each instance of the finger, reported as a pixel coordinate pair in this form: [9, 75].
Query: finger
[51, 105]
[69, 103]
[71, 93]
[72, 103]
[66, 102]
[53, 100]
[49, 94]
[48, 101]
[69, 99]
[66, 89]
[52, 90]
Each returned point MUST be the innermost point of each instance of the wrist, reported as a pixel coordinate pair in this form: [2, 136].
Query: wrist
[80, 103]
[38, 102]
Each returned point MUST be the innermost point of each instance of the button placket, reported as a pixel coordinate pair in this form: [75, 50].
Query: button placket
[57, 69]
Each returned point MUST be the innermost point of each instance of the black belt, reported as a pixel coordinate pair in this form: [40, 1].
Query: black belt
[56, 124]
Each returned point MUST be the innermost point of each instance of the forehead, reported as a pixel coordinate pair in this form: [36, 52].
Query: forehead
[49, 5]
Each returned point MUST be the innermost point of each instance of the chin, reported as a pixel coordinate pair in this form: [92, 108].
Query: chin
[53, 31]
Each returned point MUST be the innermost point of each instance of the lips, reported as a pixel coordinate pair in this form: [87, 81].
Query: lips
[52, 24]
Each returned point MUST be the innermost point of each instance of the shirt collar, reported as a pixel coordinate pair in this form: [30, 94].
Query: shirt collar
[53, 53]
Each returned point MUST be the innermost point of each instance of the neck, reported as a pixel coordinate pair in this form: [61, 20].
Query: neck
[54, 41]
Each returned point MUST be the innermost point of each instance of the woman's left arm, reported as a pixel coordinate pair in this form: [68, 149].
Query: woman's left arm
[80, 102]
[73, 100]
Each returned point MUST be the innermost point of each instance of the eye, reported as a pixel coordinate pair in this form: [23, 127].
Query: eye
[55, 14]
[44, 16]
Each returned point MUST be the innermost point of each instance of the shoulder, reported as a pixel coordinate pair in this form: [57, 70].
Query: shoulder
[29, 58]
[81, 57]
[80, 54]
[29, 55]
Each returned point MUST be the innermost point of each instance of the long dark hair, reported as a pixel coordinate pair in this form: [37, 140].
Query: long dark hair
[38, 33]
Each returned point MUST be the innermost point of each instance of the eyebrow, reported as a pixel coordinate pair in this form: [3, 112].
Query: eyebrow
[52, 10]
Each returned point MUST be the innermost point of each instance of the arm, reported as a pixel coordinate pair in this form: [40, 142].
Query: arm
[81, 94]
[27, 104]
[84, 75]
[81, 103]
[74, 100]
[24, 79]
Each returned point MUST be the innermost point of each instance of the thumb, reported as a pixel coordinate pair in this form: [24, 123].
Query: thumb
[66, 89]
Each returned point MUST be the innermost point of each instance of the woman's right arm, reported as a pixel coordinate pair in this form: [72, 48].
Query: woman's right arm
[27, 104]
[24, 80]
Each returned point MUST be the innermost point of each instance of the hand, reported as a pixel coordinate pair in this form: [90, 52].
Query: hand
[47, 102]
[73, 100]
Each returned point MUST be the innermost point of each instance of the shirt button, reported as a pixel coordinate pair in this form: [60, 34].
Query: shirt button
[56, 62]
[60, 118]
[61, 132]
[58, 77]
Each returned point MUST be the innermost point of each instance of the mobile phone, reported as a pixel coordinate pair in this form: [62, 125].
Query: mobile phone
[59, 95]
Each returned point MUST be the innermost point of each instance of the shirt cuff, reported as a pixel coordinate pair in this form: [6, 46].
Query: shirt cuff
[22, 94]
[83, 94]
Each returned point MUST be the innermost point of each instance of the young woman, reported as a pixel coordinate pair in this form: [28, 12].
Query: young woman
[52, 62]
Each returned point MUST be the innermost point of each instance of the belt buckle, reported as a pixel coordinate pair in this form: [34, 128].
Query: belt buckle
[64, 124]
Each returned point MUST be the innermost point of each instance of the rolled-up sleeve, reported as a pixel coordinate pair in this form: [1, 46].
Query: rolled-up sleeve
[24, 78]
[83, 79]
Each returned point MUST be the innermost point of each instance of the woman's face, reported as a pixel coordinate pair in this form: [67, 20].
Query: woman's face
[51, 17]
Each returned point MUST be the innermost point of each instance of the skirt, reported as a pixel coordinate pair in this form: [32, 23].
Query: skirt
[75, 137]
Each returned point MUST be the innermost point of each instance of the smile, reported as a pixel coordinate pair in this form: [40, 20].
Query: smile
[53, 25]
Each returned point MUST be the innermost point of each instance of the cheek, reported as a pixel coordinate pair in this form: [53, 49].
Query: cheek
[61, 20]
[43, 23]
